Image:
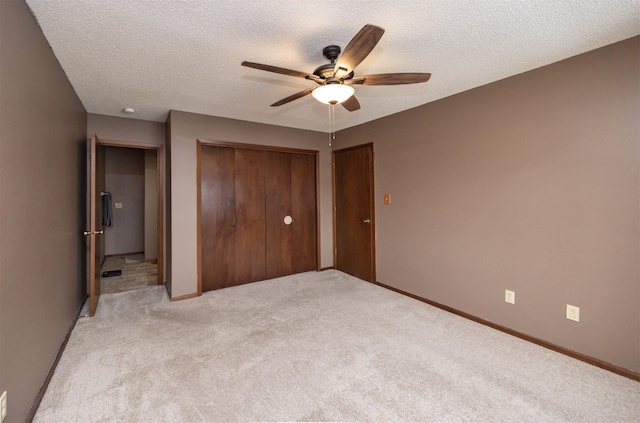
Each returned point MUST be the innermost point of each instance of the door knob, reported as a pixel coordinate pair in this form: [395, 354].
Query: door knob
[364, 221]
[87, 233]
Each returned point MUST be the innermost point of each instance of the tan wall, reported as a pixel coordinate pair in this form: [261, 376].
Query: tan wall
[42, 157]
[529, 184]
[125, 129]
[186, 128]
[150, 205]
[125, 180]
[168, 268]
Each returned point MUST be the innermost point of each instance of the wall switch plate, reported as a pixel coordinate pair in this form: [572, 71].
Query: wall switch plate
[573, 313]
[3, 406]
[509, 296]
[118, 205]
[387, 199]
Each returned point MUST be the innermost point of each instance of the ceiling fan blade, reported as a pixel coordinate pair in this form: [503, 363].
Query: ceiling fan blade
[357, 50]
[351, 104]
[293, 97]
[390, 79]
[276, 69]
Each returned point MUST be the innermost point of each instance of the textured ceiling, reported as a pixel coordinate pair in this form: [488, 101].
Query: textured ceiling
[160, 55]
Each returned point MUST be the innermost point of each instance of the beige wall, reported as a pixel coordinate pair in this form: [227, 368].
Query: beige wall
[186, 128]
[150, 205]
[125, 180]
[125, 129]
[42, 191]
[529, 184]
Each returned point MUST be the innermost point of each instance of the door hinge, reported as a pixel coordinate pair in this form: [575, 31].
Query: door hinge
[335, 251]
[333, 164]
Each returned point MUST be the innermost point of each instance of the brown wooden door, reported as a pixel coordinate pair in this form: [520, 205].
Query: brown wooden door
[245, 195]
[291, 191]
[250, 216]
[304, 213]
[354, 212]
[279, 235]
[232, 213]
[217, 208]
[95, 252]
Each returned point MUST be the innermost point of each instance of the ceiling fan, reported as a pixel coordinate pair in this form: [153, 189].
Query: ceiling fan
[336, 78]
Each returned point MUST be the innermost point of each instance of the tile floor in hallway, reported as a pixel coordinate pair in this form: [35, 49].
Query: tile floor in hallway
[136, 273]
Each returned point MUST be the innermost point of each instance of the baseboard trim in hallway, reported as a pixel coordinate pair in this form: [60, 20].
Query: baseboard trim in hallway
[185, 297]
[573, 354]
[47, 379]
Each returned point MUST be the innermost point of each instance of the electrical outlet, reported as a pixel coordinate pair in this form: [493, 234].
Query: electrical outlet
[509, 296]
[3, 406]
[573, 313]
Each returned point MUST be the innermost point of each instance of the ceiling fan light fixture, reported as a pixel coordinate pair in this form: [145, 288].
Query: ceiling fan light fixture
[333, 93]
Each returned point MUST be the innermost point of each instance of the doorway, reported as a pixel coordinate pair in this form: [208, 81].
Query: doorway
[130, 230]
[138, 243]
[354, 214]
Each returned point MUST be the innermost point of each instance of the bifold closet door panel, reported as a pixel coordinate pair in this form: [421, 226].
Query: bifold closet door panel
[303, 209]
[250, 215]
[279, 235]
[246, 195]
[217, 217]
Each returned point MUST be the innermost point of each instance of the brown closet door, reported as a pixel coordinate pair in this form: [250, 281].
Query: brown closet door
[250, 215]
[279, 236]
[303, 211]
[291, 191]
[217, 193]
[245, 196]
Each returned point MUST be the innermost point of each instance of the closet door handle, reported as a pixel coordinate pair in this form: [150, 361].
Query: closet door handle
[365, 221]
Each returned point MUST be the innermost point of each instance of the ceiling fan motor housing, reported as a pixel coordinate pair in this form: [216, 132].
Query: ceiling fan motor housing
[324, 71]
[327, 70]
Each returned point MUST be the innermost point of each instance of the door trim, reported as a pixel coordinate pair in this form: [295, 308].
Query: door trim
[160, 177]
[94, 252]
[229, 144]
[214, 143]
[372, 205]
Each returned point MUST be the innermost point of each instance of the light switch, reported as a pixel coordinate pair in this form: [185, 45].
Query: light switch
[118, 205]
[387, 199]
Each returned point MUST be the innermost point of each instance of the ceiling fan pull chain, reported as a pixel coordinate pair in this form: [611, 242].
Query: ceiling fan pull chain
[333, 121]
[332, 117]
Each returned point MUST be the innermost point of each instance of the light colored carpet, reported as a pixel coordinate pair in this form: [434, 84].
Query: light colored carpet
[315, 347]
